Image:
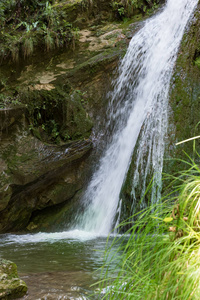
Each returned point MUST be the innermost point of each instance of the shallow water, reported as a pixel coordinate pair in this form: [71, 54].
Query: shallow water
[56, 265]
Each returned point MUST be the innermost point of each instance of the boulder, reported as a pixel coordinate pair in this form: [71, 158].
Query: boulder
[11, 286]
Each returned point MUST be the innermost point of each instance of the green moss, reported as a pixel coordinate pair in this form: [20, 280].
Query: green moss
[128, 22]
[129, 8]
[184, 99]
[9, 268]
[69, 6]
[11, 286]
[197, 62]
[77, 123]
[29, 26]
[55, 115]
[95, 64]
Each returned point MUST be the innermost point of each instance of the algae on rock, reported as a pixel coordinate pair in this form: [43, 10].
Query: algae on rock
[185, 99]
[51, 102]
[11, 286]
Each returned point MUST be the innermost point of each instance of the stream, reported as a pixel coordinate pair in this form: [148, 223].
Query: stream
[57, 265]
[65, 265]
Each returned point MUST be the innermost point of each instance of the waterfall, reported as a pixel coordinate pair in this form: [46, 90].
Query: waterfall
[138, 108]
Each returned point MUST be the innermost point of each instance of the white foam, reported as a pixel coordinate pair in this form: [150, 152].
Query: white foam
[77, 235]
[41, 237]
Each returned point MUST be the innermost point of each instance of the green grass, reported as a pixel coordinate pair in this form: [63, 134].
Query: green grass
[161, 258]
[27, 26]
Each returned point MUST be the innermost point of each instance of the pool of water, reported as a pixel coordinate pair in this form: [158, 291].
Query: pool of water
[57, 265]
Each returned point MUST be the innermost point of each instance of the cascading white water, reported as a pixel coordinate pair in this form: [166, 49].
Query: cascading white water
[139, 105]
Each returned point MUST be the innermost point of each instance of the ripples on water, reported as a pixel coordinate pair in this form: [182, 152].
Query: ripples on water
[56, 265]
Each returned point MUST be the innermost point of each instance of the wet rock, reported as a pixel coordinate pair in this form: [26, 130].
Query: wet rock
[42, 173]
[11, 286]
[10, 116]
[57, 217]
[185, 100]
[35, 175]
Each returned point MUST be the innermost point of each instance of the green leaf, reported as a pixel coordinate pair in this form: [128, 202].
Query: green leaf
[168, 219]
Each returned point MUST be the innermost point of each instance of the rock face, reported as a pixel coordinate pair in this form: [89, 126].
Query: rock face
[11, 286]
[185, 98]
[44, 143]
[35, 175]
[50, 103]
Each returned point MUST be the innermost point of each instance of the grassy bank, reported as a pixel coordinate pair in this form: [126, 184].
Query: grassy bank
[161, 259]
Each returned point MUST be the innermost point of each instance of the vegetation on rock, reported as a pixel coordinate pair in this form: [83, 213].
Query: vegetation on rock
[160, 259]
[11, 287]
[56, 115]
[50, 99]
[126, 8]
[33, 185]
[184, 98]
[30, 24]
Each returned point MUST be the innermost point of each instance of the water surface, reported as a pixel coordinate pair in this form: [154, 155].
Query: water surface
[56, 265]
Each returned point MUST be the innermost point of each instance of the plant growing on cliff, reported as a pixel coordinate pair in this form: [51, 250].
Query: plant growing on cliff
[161, 258]
[126, 8]
[27, 25]
[197, 62]
[28, 46]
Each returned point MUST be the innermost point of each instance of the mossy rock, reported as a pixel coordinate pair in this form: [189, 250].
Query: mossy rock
[36, 179]
[71, 8]
[99, 63]
[58, 217]
[197, 62]
[56, 116]
[78, 123]
[185, 100]
[11, 286]
[39, 174]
